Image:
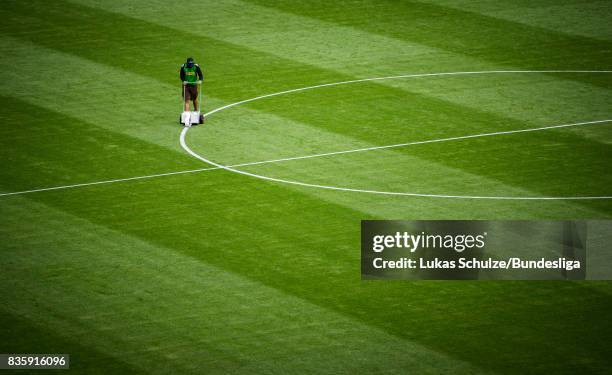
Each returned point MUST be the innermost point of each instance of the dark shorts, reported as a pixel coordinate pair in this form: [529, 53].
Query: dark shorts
[190, 92]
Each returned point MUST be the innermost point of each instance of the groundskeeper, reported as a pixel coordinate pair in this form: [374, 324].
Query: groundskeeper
[191, 76]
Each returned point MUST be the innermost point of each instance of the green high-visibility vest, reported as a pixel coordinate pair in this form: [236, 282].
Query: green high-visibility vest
[191, 75]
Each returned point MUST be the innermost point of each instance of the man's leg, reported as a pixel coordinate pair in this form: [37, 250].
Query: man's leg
[194, 96]
[185, 98]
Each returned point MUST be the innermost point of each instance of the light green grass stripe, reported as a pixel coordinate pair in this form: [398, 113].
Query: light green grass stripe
[534, 99]
[133, 300]
[585, 18]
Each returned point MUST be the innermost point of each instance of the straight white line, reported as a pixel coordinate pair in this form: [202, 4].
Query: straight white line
[423, 142]
[296, 157]
[106, 181]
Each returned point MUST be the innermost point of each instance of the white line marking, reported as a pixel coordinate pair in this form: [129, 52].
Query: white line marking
[296, 158]
[106, 182]
[229, 167]
[298, 183]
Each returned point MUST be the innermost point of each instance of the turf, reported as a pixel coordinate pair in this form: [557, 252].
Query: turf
[215, 272]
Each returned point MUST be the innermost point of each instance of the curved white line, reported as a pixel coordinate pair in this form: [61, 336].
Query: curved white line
[298, 183]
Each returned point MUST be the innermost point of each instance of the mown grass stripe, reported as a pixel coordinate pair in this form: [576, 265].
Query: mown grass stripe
[561, 17]
[138, 299]
[473, 34]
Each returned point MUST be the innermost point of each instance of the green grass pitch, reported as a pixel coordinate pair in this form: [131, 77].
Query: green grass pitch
[214, 272]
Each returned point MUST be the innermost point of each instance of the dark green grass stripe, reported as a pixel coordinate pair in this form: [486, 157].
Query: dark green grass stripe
[43, 148]
[312, 253]
[19, 335]
[468, 33]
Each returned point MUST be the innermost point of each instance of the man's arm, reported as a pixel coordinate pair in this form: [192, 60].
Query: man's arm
[199, 73]
[182, 73]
